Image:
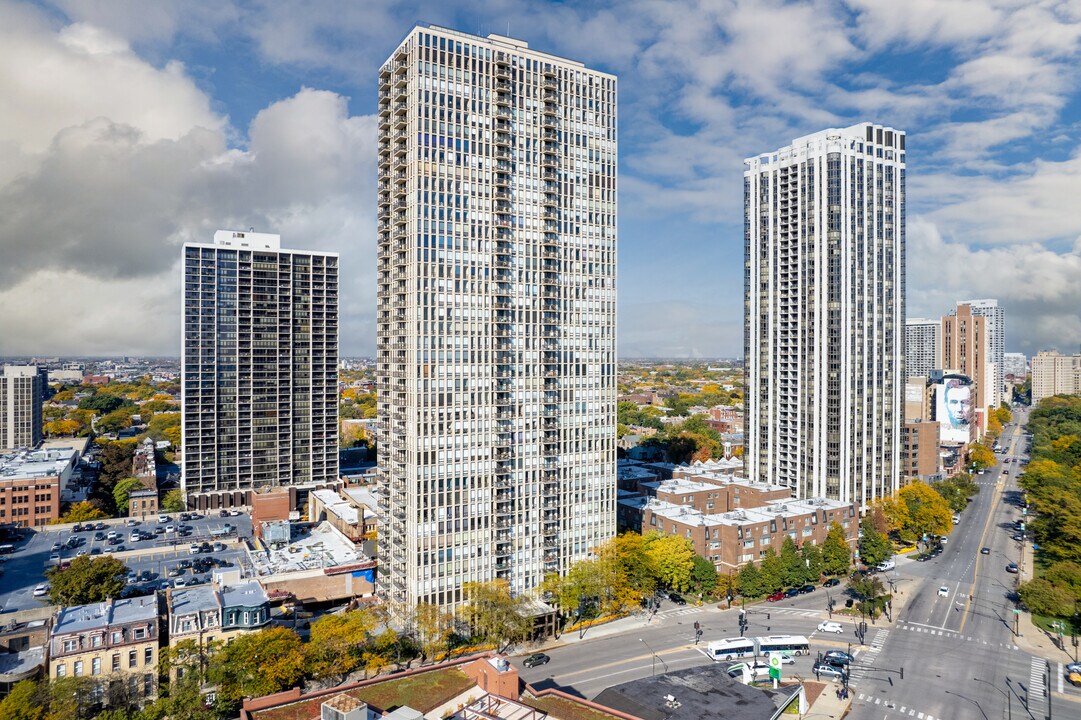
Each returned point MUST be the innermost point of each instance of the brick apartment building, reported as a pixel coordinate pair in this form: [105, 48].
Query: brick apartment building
[729, 520]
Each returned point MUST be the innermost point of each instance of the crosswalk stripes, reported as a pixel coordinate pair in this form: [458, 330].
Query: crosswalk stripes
[877, 642]
[903, 709]
[1037, 688]
[953, 635]
[796, 611]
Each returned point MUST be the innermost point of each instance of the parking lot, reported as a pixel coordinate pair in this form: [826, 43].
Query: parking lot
[24, 569]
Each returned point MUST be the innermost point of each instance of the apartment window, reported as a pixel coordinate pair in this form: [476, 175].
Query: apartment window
[116, 662]
[95, 666]
[139, 633]
[764, 541]
[78, 668]
[148, 684]
[71, 645]
[118, 636]
[148, 655]
[61, 670]
[96, 640]
[133, 658]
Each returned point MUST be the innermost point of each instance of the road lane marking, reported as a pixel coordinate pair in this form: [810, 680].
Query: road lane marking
[935, 627]
[1061, 674]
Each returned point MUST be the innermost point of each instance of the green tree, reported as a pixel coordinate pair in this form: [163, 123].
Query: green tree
[102, 403]
[115, 421]
[750, 581]
[494, 614]
[89, 579]
[872, 595]
[792, 567]
[703, 575]
[122, 490]
[173, 501]
[24, 702]
[583, 581]
[81, 512]
[874, 546]
[629, 564]
[812, 562]
[1043, 598]
[836, 554]
[772, 571]
[673, 558]
[257, 663]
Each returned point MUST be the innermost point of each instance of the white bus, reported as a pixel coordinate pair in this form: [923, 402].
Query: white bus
[783, 644]
[730, 648]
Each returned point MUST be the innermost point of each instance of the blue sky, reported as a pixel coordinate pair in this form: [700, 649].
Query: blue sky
[128, 128]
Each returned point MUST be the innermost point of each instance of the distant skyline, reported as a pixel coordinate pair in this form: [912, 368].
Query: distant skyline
[127, 129]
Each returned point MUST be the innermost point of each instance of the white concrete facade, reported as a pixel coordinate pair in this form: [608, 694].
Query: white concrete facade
[496, 315]
[22, 390]
[923, 346]
[1055, 374]
[824, 308]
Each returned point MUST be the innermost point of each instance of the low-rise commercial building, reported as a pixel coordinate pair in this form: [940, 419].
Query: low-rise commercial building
[113, 642]
[352, 512]
[31, 482]
[143, 504]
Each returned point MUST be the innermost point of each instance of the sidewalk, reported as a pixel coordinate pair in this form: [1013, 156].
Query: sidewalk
[825, 704]
[1032, 639]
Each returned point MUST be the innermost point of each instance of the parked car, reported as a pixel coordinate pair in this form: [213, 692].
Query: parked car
[536, 659]
[832, 582]
[99, 536]
[99, 526]
[985, 551]
[41, 590]
[806, 589]
[830, 627]
[775, 596]
[1012, 568]
[677, 599]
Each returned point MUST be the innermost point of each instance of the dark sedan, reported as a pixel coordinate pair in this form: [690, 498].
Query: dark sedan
[536, 659]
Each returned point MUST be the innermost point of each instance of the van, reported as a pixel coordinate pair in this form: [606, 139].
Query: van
[886, 565]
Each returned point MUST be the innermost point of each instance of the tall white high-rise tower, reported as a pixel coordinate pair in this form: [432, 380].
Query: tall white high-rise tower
[923, 346]
[496, 315]
[824, 229]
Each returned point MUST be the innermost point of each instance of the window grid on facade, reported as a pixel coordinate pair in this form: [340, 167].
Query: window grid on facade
[496, 315]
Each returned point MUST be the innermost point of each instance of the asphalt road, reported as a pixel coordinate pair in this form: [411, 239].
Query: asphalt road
[24, 569]
[666, 642]
[959, 651]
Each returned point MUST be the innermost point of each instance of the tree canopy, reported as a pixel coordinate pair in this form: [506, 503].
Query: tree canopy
[257, 663]
[874, 546]
[89, 579]
[917, 510]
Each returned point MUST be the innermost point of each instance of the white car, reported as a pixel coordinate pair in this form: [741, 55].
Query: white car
[41, 590]
[943, 591]
[831, 627]
[786, 659]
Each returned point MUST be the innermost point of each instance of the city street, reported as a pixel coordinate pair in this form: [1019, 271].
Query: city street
[960, 656]
[24, 569]
[959, 652]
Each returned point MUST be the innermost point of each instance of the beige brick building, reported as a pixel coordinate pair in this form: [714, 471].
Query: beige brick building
[113, 642]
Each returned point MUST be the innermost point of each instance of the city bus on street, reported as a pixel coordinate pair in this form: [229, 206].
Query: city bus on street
[783, 645]
[730, 648]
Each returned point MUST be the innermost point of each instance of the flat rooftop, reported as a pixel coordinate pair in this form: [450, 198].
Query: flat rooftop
[40, 463]
[693, 694]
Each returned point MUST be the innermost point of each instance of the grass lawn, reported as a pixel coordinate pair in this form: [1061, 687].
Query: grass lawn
[423, 692]
[566, 709]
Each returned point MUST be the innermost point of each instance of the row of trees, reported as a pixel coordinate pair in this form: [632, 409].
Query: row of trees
[628, 569]
[794, 566]
[275, 658]
[1052, 480]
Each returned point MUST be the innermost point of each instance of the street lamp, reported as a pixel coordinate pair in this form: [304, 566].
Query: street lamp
[1009, 700]
[654, 673]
